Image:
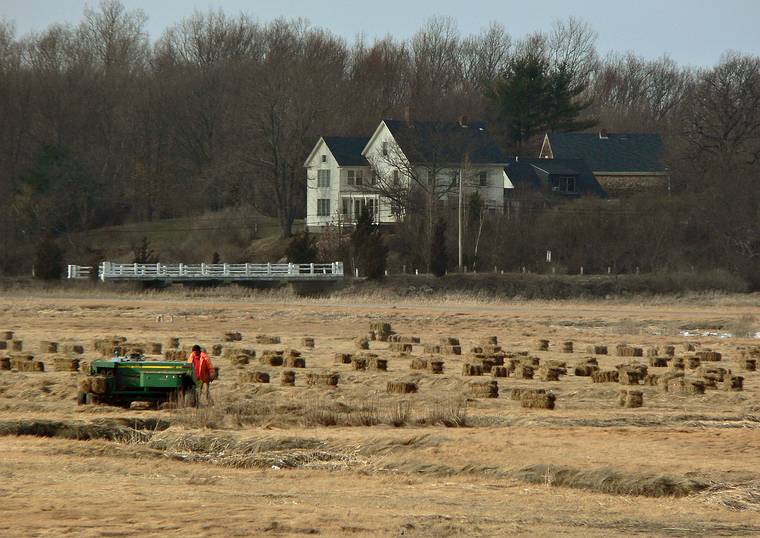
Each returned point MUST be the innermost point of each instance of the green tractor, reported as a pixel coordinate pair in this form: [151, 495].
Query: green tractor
[122, 380]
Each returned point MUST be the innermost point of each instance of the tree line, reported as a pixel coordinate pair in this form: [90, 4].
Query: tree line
[102, 126]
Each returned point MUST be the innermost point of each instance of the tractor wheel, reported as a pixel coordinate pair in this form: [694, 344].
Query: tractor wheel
[81, 398]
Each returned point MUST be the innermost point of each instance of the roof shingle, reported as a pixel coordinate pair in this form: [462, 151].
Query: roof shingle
[618, 152]
[347, 150]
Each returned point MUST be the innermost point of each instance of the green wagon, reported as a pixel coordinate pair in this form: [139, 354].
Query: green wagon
[123, 380]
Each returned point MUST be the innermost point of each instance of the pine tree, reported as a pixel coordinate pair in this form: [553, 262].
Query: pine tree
[302, 248]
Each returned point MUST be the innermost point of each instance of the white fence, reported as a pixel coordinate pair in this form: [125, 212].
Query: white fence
[199, 272]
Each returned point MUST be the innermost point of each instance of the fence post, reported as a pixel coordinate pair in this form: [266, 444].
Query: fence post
[226, 269]
[269, 268]
[311, 268]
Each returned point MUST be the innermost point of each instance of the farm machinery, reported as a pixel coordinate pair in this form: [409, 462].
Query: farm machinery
[123, 380]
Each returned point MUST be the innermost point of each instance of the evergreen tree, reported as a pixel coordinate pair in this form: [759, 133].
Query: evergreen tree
[48, 260]
[370, 253]
[302, 248]
[438, 255]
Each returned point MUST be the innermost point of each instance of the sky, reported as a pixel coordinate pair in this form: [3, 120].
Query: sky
[692, 32]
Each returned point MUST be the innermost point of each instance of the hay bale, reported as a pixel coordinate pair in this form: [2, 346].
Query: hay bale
[288, 378]
[240, 360]
[693, 362]
[538, 401]
[342, 358]
[749, 364]
[3, 344]
[217, 350]
[548, 373]
[307, 342]
[235, 351]
[472, 369]
[17, 345]
[651, 379]
[7, 335]
[523, 371]
[253, 377]
[76, 349]
[451, 350]
[677, 363]
[98, 384]
[543, 345]
[449, 341]
[48, 347]
[653, 352]
[5, 363]
[84, 384]
[65, 364]
[733, 383]
[382, 329]
[631, 398]
[669, 351]
[585, 369]
[175, 355]
[490, 340]
[435, 367]
[232, 336]
[567, 347]
[84, 366]
[377, 364]
[596, 350]
[156, 348]
[499, 371]
[709, 356]
[517, 393]
[628, 377]
[401, 387]
[418, 363]
[605, 376]
[483, 389]
[361, 343]
[400, 347]
[322, 379]
[433, 349]
[688, 346]
[658, 362]
[638, 367]
[359, 363]
[671, 382]
[693, 386]
[295, 362]
[172, 342]
[271, 359]
[712, 372]
[371, 336]
[264, 339]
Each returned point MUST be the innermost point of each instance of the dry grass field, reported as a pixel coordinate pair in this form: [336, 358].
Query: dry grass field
[432, 456]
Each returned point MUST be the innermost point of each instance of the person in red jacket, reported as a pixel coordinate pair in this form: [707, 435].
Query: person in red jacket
[205, 372]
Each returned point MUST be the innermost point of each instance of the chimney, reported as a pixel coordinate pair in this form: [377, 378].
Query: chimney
[463, 121]
[408, 116]
[603, 135]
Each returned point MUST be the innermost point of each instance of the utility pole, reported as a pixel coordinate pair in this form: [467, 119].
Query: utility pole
[459, 215]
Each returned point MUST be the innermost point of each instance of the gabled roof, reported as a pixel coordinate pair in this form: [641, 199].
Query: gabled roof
[537, 174]
[347, 150]
[617, 152]
[445, 142]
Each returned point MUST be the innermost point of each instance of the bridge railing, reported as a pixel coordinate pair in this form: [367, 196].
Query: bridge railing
[208, 271]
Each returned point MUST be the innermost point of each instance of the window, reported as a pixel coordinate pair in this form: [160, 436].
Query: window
[359, 177]
[351, 177]
[483, 179]
[323, 207]
[372, 207]
[323, 178]
[373, 179]
[385, 149]
[564, 184]
[396, 181]
[324, 158]
[346, 208]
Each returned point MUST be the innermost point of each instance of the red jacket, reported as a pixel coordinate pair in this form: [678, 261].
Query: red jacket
[204, 370]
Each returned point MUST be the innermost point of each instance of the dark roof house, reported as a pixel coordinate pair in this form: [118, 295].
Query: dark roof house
[347, 150]
[563, 177]
[623, 163]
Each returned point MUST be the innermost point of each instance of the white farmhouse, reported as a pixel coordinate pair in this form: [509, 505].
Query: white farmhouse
[434, 159]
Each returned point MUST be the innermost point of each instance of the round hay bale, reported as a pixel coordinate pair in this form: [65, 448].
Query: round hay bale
[295, 362]
[435, 367]
[48, 347]
[17, 345]
[342, 358]
[543, 345]
[330, 380]
[307, 342]
[483, 389]
[401, 387]
[631, 398]
[288, 378]
[172, 342]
